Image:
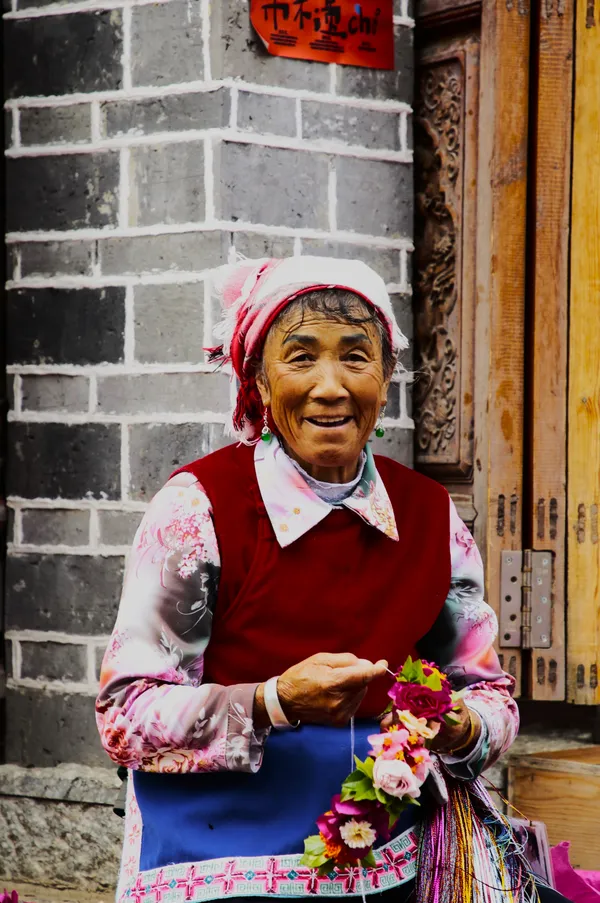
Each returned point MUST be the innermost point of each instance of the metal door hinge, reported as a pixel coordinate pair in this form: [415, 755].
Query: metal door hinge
[526, 599]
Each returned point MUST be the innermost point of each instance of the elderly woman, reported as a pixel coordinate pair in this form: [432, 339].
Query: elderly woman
[270, 584]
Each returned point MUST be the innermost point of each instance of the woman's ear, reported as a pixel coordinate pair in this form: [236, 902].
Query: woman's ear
[263, 385]
[384, 391]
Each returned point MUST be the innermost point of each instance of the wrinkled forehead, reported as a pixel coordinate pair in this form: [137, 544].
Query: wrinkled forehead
[333, 311]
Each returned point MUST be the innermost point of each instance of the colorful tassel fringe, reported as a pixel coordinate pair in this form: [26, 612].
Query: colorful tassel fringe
[468, 853]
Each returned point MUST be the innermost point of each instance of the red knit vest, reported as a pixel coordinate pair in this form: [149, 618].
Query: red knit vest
[342, 587]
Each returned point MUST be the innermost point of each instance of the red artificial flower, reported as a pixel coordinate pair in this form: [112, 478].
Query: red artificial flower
[331, 822]
[422, 701]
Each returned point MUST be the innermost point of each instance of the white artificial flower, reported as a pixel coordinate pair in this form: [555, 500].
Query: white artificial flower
[418, 725]
[358, 834]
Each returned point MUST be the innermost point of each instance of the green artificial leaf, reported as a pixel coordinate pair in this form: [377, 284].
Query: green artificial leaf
[451, 719]
[380, 795]
[327, 867]
[358, 786]
[407, 671]
[314, 844]
[314, 852]
[361, 790]
[365, 767]
[434, 682]
[419, 673]
[369, 860]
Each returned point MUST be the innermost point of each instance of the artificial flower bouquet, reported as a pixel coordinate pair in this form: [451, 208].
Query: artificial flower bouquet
[390, 778]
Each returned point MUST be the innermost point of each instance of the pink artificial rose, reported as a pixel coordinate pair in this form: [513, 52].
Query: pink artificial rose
[396, 778]
[421, 701]
[390, 743]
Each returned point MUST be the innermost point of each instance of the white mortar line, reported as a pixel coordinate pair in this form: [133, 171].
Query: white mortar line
[17, 658]
[93, 394]
[234, 96]
[124, 420]
[201, 86]
[17, 264]
[91, 664]
[135, 369]
[18, 526]
[332, 78]
[404, 20]
[395, 288]
[332, 197]
[94, 533]
[404, 418]
[205, 21]
[129, 330]
[209, 209]
[95, 261]
[126, 56]
[19, 504]
[168, 277]
[95, 133]
[207, 332]
[63, 549]
[76, 6]
[406, 286]
[403, 131]
[356, 238]
[124, 159]
[125, 470]
[404, 422]
[51, 686]
[298, 118]
[54, 636]
[280, 142]
[18, 394]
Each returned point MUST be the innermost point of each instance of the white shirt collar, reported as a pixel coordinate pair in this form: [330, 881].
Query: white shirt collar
[294, 509]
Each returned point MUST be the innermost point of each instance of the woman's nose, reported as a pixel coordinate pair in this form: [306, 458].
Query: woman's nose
[329, 384]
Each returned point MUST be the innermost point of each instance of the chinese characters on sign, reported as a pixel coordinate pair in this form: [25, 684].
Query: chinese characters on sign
[329, 31]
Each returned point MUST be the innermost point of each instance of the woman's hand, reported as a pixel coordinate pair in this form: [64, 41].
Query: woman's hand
[326, 688]
[451, 736]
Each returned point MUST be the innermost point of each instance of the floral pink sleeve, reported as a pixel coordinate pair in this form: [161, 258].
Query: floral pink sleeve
[462, 642]
[153, 712]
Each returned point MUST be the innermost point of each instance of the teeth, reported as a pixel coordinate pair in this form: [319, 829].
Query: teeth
[328, 421]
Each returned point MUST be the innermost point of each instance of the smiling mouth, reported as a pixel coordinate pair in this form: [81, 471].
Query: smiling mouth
[328, 423]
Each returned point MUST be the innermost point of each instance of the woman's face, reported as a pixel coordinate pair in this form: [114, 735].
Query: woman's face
[324, 383]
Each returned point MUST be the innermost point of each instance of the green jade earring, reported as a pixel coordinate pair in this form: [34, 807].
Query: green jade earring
[379, 427]
[265, 434]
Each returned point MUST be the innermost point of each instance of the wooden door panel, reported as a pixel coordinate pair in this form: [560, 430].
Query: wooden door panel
[546, 526]
[583, 685]
[471, 178]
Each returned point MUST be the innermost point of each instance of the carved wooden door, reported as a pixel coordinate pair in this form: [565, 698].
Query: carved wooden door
[490, 287]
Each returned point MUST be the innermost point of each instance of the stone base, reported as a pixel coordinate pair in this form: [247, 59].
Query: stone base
[57, 828]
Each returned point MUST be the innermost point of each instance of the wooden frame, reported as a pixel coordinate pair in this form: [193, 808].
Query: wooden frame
[584, 371]
[550, 189]
[501, 267]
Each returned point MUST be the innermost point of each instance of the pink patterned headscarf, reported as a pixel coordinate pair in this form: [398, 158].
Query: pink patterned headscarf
[252, 294]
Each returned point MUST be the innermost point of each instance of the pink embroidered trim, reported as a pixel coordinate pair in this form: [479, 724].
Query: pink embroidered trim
[273, 875]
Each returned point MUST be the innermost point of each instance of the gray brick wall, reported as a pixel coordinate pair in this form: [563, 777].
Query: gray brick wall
[147, 143]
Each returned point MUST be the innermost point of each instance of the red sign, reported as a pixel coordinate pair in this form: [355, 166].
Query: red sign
[329, 31]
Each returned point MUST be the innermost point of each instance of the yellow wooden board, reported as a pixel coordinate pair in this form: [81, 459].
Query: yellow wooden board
[583, 475]
[562, 789]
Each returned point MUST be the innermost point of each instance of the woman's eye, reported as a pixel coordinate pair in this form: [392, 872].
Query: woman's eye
[357, 357]
[301, 358]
